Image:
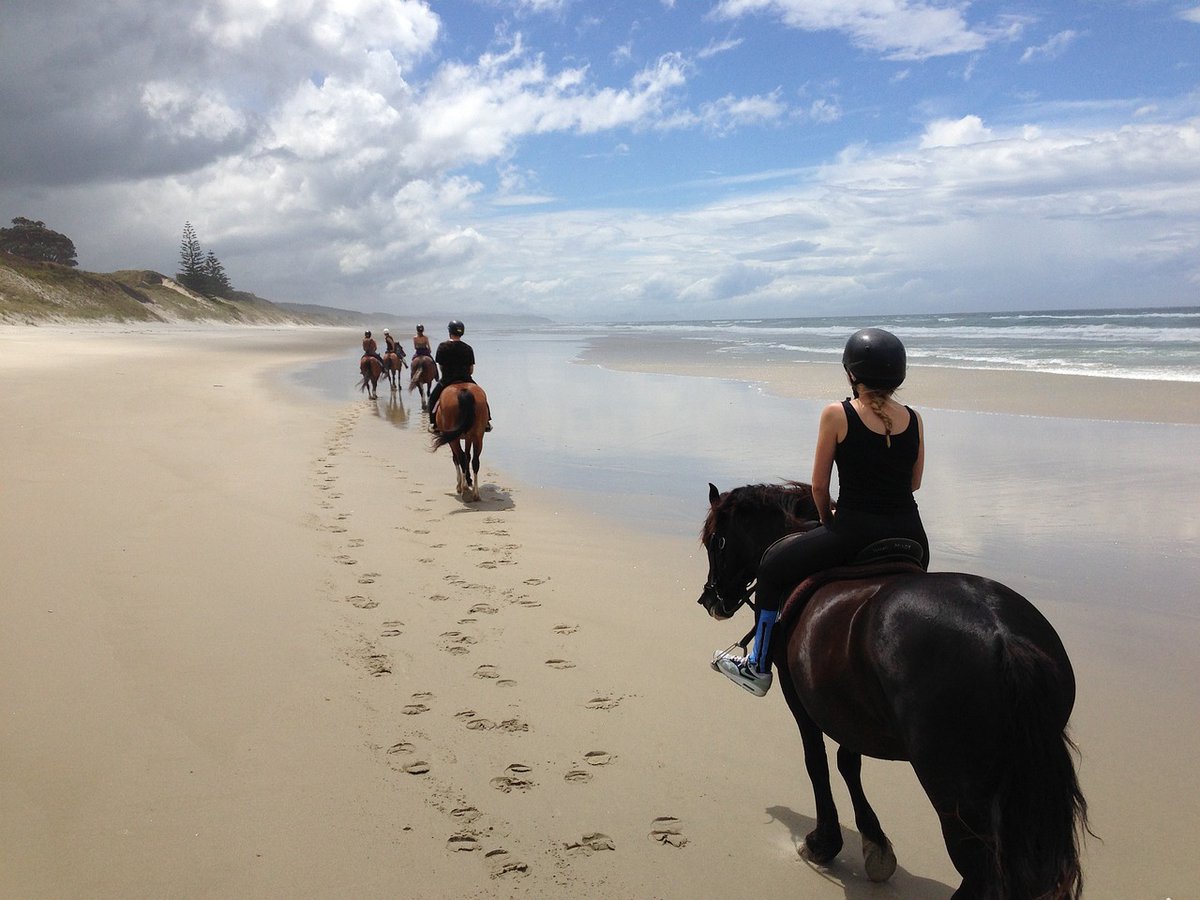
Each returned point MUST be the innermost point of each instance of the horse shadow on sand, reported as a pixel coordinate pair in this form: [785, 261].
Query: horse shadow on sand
[492, 498]
[847, 870]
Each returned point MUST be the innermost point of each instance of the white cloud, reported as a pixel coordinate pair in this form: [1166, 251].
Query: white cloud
[898, 29]
[824, 111]
[716, 48]
[1052, 48]
[1190, 15]
[954, 132]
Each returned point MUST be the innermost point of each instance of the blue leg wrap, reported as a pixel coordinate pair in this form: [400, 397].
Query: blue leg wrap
[759, 656]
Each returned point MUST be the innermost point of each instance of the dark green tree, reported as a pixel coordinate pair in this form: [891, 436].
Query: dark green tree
[214, 274]
[191, 261]
[33, 240]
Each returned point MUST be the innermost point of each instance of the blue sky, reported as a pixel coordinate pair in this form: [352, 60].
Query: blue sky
[620, 160]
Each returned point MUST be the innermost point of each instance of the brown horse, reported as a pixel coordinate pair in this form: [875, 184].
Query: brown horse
[462, 416]
[422, 374]
[957, 674]
[371, 369]
[393, 365]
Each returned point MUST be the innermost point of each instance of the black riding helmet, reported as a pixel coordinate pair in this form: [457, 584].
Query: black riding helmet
[420, 329]
[457, 327]
[876, 358]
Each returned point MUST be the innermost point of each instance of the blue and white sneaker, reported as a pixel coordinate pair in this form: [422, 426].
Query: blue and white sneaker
[738, 670]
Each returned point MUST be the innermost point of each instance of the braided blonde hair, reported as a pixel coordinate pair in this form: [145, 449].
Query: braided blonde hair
[877, 400]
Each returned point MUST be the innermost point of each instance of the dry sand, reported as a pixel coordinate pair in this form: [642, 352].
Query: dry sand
[254, 646]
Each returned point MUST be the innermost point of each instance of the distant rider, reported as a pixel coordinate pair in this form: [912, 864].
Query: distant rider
[393, 345]
[456, 360]
[370, 348]
[421, 343]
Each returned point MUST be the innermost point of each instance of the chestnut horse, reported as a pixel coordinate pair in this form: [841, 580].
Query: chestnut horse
[422, 373]
[462, 415]
[371, 369]
[958, 675]
[393, 365]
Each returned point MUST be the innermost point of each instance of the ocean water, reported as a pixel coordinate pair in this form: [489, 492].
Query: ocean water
[1103, 513]
[1116, 343]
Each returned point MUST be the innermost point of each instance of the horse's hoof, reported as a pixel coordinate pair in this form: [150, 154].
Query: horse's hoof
[820, 850]
[879, 862]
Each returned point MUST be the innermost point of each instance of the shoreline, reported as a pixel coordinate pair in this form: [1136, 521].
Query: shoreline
[967, 390]
[257, 647]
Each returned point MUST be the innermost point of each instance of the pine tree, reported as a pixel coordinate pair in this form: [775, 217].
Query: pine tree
[214, 274]
[191, 261]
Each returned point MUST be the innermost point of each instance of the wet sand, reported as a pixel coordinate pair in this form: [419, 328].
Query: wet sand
[973, 390]
[256, 646]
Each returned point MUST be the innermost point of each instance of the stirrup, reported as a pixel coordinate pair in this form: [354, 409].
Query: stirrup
[738, 670]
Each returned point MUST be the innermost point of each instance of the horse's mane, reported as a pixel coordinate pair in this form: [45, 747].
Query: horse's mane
[785, 498]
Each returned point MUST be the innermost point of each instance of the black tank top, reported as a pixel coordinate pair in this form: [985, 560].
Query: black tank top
[873, 477]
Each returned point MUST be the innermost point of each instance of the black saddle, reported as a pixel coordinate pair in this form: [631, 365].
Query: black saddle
[891, 550]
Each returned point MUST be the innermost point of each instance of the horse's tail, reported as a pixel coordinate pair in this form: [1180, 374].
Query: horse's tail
[466, 419]
[1039, 814]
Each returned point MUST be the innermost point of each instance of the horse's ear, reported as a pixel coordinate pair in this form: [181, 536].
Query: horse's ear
[713, 494]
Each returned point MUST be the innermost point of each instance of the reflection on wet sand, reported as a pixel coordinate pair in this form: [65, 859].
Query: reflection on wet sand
[1072, 508]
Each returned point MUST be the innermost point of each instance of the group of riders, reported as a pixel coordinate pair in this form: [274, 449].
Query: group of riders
[455, 359]
[876, 444]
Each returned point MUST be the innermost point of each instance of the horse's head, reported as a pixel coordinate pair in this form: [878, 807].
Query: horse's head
[740, 526]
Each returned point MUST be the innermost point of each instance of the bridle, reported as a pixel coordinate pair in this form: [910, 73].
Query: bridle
[724, 607]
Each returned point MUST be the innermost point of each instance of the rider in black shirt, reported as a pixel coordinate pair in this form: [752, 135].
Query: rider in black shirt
[456, 360]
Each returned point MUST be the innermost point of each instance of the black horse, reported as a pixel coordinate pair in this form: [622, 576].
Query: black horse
[957, 674]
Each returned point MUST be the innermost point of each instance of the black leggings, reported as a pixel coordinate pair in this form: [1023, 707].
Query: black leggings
[791, 559]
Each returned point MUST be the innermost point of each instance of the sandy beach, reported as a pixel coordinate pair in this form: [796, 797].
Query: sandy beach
[255, 646]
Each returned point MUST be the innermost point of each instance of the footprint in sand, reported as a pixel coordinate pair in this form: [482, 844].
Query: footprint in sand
[531, 604]
[598, 758]
[394, 628]
[576, 776]
[336, 529]
[536, 581]
[378, 664]
[457, 643]
[590, 843]
[514, 779]
[665, 830]
[565, 629]
[345, 560]
[368, 577]
[465, 813]
[402, 747]
[486, 671]
[362, 602]
[420, 767]
[355, 542]
[506, 682]
[560, 664]
[415, 709]
[603, 702]
[462, 842]
[484, 609]
[503, 865]
[438, 598]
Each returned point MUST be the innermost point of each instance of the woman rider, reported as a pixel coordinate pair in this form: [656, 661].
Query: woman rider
[878, 446]
[421, 343]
